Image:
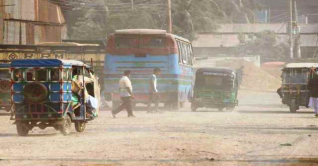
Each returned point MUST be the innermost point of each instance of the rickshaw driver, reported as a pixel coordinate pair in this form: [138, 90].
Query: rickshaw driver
[313, 90]
[92, 103]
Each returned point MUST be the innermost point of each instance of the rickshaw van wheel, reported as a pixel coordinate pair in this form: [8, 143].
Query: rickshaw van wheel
[22, 128]
[80, 126]
[293, 106]
[65, 128]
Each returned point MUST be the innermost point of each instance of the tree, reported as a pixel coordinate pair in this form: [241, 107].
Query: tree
[265, 44]
[190, 17]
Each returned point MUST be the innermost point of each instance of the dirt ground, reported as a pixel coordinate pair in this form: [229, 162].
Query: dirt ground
[259, 132]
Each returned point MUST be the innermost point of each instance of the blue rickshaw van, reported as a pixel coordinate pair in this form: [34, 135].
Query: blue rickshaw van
[53, 93]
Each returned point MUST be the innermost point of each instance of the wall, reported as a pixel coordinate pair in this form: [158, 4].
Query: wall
[29, 22]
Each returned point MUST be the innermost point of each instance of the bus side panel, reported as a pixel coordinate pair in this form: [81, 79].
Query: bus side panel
[142, 68]
[185, 82]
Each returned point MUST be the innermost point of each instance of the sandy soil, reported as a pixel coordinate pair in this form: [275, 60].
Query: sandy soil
[259, 132]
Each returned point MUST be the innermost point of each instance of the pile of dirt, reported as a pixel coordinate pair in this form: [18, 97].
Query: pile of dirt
[254, 78]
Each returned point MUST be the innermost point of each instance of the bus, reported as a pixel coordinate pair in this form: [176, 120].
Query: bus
[143, 50]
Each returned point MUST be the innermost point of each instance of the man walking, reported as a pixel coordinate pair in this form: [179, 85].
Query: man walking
[153, 91]
[125, 90]
[313, 90]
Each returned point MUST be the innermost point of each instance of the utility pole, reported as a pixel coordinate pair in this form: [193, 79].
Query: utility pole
[132, 4]
[291, 48]
[294, 31]
[169, 17]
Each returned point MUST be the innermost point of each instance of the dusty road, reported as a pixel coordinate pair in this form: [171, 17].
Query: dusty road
[259, 132]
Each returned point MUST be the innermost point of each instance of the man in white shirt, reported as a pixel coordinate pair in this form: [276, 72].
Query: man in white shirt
[125, 90]
[153, 91]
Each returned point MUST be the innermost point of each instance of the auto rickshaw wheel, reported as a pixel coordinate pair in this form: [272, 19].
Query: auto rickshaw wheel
[65, 128]
[230, 109]
[293, 106]
[80, 126]
[22, 128]
[194, 108]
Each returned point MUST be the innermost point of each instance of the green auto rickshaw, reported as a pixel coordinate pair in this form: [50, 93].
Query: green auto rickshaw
[215, 88]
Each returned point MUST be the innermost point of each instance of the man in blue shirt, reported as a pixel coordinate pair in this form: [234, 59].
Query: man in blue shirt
[153, 91]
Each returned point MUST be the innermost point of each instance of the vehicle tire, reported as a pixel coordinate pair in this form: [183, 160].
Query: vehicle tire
[35, 92]
[221, 109]
[175, 106]
[293, 106]
[193, 108]
[80, 126]
[22, 128]
[230, 109]
[65, 128]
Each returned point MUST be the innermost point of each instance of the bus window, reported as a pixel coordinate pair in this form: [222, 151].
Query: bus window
[127, 42]
[41, 75]
[180, 52]
[152, 42]
[190, 54]
[184, 53]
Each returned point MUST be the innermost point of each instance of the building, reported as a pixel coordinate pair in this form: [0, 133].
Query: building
[226, 38]
[277, 11]
[28, 22]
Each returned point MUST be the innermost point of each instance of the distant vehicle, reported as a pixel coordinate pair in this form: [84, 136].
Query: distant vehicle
[294, 88]
[50, 93]
[215, 88]
[142, 50]
[5, 86]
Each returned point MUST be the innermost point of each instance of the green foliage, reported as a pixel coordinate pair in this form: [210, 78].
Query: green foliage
[190, 17]
[264, 43]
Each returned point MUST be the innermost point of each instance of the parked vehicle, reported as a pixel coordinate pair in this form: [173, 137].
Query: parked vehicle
[142, 50]
[5, 86]
[215, 88]
[294, 88]
[53, 93]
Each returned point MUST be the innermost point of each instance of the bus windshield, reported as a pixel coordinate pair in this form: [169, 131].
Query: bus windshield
[295, 76]
[140, 42]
